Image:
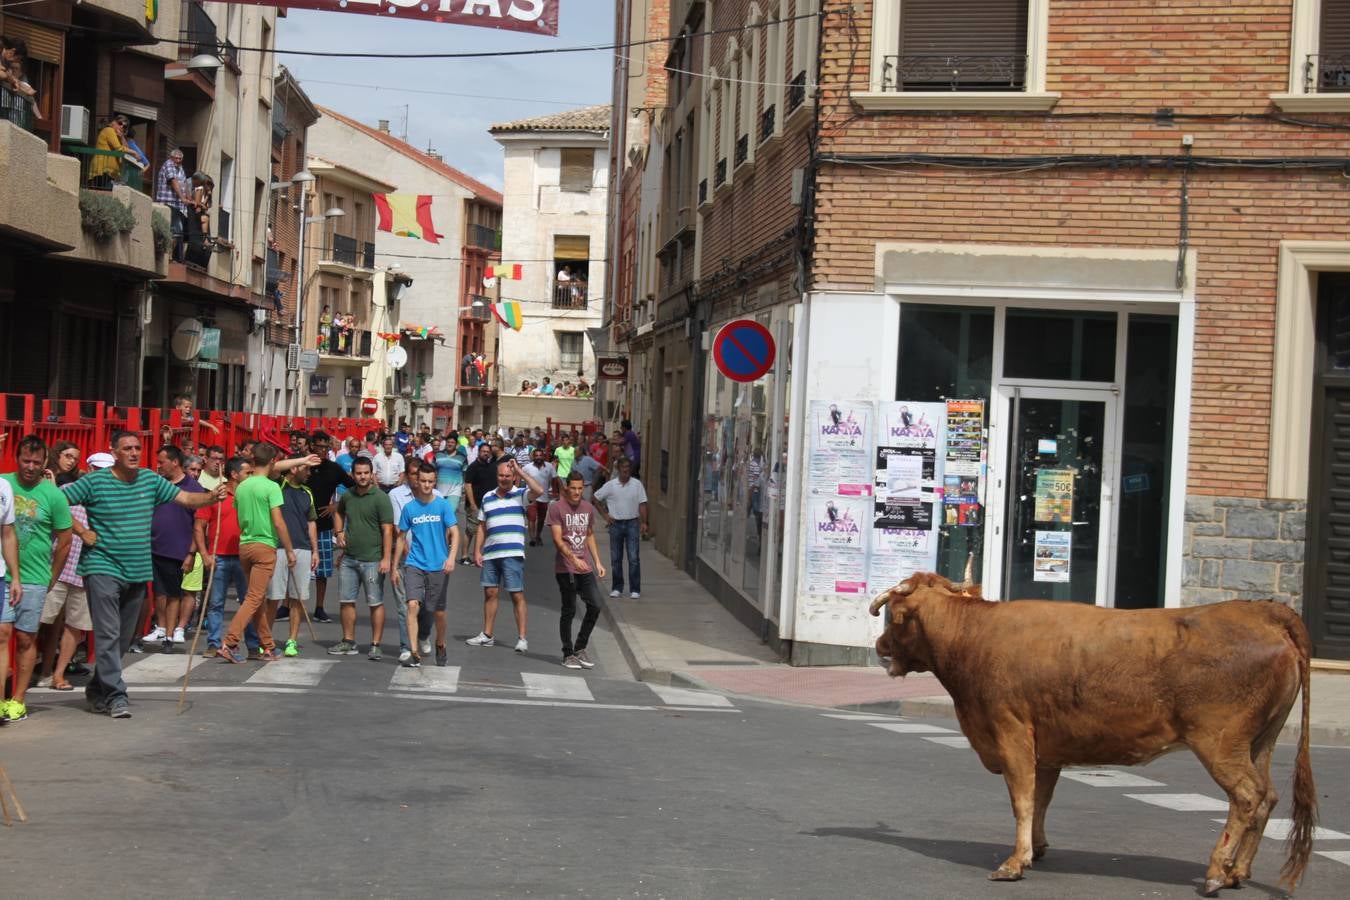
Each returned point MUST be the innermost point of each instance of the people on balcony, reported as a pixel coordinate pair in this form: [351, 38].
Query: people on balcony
[325, 327]
[172, 189]
[17, 96]
[200, 244]
[106, 166]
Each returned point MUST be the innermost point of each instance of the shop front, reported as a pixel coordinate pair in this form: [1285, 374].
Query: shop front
[1033, 433]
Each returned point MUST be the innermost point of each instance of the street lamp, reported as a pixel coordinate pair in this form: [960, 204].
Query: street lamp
[204, 62]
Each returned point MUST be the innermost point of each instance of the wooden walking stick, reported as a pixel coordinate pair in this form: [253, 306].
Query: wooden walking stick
[314, 638]
[201, 617]
[8, 786]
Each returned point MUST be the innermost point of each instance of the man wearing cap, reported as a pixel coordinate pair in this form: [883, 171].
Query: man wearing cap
[116, 563]
[171, 189]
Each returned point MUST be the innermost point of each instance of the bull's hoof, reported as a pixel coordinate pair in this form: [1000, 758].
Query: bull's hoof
[1039, 852]
[1212, 887]
[1005, 873]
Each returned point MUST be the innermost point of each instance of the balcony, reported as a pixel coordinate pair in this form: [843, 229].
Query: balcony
[39, 194]
[131, 251]
[766, 124]
[101, 169]
[570, 295]
[720, 173]
[344, 346]
[703, 192]
[485, 238]
[1326, 73]
[344, 255]
[922, 72]
[475, 311]
[742, 149]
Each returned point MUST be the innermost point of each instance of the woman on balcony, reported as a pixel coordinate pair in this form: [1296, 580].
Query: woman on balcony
[106, 167]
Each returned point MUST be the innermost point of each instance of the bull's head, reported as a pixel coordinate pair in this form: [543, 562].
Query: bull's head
[903, 647]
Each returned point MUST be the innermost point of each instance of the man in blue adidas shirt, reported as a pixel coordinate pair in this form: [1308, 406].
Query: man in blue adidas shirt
[427, 545]
[499, 548]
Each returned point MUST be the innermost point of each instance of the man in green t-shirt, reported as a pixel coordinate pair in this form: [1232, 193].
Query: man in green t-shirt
[363, 526]
[115, 562]
[41, 516]
[258, 504]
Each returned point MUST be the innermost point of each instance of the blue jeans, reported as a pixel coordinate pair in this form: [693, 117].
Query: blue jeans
[228, 572]
[623, 537]
[358, 575]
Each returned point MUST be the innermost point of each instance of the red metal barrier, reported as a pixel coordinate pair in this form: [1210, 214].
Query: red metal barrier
[554, 429]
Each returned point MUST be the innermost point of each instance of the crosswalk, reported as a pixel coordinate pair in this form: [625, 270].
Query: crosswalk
[159, 672]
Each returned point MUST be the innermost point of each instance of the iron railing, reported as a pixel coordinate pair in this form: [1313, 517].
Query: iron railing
[766, 124]
[703, 192]
[101, 169]
[342, 250]
[15, 108]
[334, 341]
[796, 92]
[569, 295]
[485, 237]
[720, 173]
[198, 31]
[479, 308]
[367, 255]
[742, 148]
[1326, 73]
[935, 72]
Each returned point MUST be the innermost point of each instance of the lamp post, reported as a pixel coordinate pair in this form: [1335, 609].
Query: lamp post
[303, 297]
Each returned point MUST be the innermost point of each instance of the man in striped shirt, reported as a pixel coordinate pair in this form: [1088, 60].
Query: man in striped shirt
[115, 563]
[500, 547]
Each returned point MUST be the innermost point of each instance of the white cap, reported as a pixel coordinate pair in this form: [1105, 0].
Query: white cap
[100, 460]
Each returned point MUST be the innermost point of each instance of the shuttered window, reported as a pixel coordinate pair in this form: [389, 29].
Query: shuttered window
[43, 43]
[1333, 47]
[569, 246]
[980, 45]
[577, 167]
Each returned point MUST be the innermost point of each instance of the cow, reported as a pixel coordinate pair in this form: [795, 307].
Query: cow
[1040, 685]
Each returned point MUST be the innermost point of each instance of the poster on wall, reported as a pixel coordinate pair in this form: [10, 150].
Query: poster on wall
[1054, 496]
[836, 548]
[898, 553]
[907, 477]
[840, 451]
[964, 464]
[1052, 556]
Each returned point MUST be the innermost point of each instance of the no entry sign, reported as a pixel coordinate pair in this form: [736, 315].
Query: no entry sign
[743, 350]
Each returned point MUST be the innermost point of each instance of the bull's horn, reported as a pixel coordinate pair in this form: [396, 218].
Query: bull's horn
[968, 581]
[881, 600]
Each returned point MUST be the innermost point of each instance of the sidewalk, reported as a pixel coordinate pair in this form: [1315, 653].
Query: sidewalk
[677, 633]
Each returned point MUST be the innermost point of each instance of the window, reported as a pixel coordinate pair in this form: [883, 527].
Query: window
[571, 268]
[992, 56]
[225, 197]
[351, 387]
[1319, 58]
[569, 350]
[577, 169]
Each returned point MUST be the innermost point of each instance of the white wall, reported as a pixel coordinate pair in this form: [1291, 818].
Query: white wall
[534, 210]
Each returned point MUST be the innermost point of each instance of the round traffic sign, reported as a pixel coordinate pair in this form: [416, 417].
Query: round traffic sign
[743, 350]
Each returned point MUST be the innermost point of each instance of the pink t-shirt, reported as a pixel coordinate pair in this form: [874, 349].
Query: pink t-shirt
[576, 522]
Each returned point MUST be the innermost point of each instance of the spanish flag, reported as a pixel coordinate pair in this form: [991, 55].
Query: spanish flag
[505, 271]
[508, 314]
[407, 215]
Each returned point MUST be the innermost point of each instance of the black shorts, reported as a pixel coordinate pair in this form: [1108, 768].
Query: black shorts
[168, 576]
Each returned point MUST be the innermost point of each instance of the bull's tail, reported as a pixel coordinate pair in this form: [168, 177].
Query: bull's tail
[1299, 845]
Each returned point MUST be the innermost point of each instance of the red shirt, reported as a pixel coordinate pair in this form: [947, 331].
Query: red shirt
[229, 526]
[576, 522]
[600, 453]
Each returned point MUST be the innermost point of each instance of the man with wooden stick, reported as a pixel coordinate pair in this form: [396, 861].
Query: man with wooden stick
[116, 563]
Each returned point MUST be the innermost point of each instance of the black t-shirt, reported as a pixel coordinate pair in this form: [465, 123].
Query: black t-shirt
[323, 483]
[483, 477]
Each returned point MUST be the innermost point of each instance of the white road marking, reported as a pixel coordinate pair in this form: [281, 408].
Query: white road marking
[1112, 778]
[1340, 856]
[912, 728]
[860, 717]
[435, 679]
[1278, 830]
[1183, 802]
[555, 687]
[159, 668]
[673, 696]
[959, 743]
[292, 671]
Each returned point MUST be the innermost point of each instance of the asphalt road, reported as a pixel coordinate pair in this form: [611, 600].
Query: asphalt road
[509, 783]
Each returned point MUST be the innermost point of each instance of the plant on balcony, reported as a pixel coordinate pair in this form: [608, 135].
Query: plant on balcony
[104, 216]
[159, 227]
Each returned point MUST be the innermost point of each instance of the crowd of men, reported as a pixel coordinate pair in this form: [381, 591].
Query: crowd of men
[390, 515]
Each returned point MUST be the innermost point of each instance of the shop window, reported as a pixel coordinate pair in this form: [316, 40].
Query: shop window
[1060, 346]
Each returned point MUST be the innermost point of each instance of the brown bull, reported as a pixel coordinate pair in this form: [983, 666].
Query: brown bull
[1040, 685]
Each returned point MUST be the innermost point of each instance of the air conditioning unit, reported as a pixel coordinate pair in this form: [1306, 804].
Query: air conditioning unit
[292, 357]
[75, 124]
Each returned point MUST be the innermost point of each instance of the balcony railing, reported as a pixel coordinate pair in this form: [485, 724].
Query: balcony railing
[351, 342]
[484, 237]
[703, 192]
[935, 72]
[342, 250]
[1326, 73]
[367, 255]
[101, 169]
[720, 173]
[16, 109]
[796, 92]
[766, 123]
[198, 31]
[569, 295]
[742, 148]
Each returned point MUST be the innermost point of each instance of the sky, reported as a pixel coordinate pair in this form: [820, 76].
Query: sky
[496, 89]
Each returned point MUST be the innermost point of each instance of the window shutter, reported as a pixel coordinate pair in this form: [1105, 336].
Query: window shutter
[567, 246]
[44, 43]
[577, 167]
[1333, 47]
[980, 46]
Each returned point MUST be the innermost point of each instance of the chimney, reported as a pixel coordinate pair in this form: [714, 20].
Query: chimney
[384, 125]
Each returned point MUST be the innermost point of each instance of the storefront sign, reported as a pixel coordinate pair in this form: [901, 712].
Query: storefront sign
[1054, 496]
[531, 16]
[743, 350]
[612, 368]
[1052, 556]
[210, 349]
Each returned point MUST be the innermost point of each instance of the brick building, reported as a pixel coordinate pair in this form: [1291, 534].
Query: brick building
[1118, 226]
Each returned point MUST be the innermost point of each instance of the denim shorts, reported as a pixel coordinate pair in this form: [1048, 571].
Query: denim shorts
[357, 574]
[507, 572]
[28, 614]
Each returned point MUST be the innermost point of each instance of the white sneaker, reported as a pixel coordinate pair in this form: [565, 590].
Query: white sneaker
[425, 645]
[156, 635]
[522, 645]
[614, 593]
[482, 640]
[404, 656]
[179, 637]
[634, 596]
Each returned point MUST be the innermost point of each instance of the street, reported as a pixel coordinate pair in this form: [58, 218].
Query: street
[505, 775]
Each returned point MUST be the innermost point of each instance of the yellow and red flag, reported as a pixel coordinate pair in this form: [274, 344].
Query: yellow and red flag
[506, 271]
[407, 215]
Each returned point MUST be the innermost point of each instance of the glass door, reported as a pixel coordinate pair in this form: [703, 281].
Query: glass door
[1059, 511]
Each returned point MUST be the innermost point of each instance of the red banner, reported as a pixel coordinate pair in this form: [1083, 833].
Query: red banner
[529, 16]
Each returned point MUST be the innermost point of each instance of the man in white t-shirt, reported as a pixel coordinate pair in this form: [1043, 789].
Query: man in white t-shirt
[543, 472]
[388, 465]
[623, 502]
